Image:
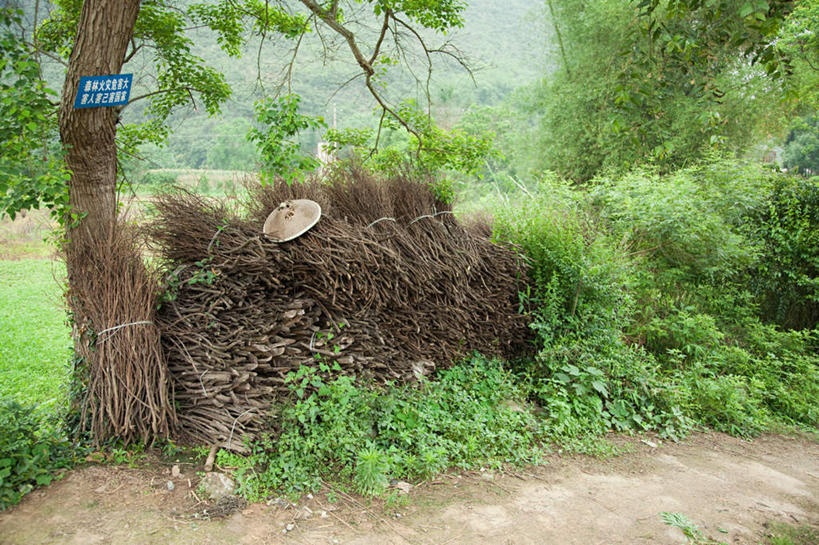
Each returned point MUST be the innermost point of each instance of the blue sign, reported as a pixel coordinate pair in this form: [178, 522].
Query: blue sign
[102, 91]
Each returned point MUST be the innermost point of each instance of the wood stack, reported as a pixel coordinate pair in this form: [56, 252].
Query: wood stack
[388, 285]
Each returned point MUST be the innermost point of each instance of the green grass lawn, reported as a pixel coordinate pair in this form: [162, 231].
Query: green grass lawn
[35, 344]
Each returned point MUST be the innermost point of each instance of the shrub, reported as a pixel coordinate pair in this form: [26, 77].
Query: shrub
[787, 275]
[724, 402]
[31, 450]
[575, 272]
[801, 151]
[159, 178]
[643, 300]
[585, 375]
[686, 224]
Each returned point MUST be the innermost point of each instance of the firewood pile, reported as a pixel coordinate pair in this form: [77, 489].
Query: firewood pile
[388, 285]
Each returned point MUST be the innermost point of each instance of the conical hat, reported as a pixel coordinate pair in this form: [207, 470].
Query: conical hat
[291, 219]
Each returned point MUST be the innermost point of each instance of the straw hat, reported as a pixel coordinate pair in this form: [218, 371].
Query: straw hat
[291, 219]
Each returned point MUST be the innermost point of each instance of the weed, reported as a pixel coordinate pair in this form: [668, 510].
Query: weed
[339, 431]
[131, 456]
[371, 469]
[641, 306]
[170, 449]
[689, 529]
[32, 451]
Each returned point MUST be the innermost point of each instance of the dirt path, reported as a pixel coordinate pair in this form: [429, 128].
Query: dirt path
[729, 487]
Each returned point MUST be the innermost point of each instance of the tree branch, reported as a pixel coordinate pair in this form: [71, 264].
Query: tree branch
[54, 57]
[345, 84]
[289, 75]
[189, 90]
[559, 38]
[378, 134]
[429, 62]
[330, 21]
[384, 28]
[457, 57]
[362, 61]
[134, 49]
[263, 35]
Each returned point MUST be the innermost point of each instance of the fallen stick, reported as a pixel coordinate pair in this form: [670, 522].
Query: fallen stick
[211, 458]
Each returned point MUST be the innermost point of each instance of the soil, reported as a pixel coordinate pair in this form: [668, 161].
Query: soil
[732, 489]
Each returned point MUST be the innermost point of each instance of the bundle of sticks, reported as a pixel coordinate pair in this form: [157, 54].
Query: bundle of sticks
[388, 287]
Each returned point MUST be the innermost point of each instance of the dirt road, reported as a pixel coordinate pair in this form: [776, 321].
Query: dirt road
[730, 488]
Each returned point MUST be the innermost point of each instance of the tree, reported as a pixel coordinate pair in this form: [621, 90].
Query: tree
[155, 30]
[801, 151]
[800, 42]
[29, 172]
[104, 32]
[657, 82]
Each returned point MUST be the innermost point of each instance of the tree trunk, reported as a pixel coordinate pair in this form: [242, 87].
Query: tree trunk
[104, 31]
[126, 392]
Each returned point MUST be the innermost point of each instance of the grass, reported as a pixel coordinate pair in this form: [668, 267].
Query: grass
[35, 345]
[784, 534]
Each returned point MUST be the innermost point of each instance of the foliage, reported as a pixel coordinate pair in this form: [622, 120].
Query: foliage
[30, 172]
[158, 178]
[336, 430]
[585, 375]
[632, 90]
[687, 221]
[799, 41]
[177, 72]
[370, 477]
[279, 122]
[701, 238]
[787, 278]
[799, 36]
[31, 451]
[500, 63]
[642, 304]
[438, 149]
[440, 15]
[425, 147]
[692, 34]
[784, 534]
[801, 151]
[181, 77]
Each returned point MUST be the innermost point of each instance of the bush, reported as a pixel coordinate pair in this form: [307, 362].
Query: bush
[643, 299]
[574, 271]
[687, 224]
[786, 278]
[585, 374]
[156, 178]
[724, 402]
[31, 451]
[801, 151]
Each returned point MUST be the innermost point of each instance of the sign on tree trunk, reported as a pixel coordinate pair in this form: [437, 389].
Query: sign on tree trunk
[101, 91]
